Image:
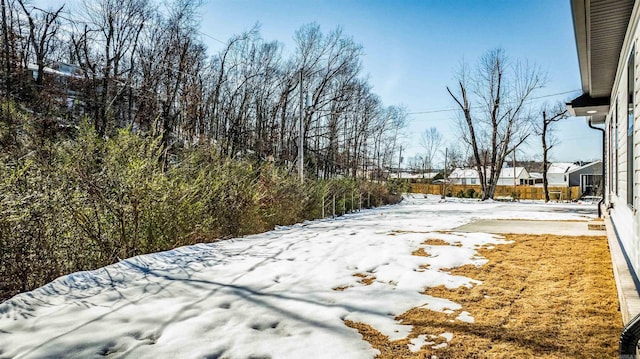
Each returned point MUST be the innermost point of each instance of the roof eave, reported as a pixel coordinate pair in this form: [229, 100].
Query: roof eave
[595, 108]
[601, 28]
[579, 14]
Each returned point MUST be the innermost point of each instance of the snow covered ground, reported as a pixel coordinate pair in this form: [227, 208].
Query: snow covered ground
[281, 294]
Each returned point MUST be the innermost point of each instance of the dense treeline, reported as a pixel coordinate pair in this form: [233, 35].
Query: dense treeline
[142, 63]
[84, 202]
[117, 139]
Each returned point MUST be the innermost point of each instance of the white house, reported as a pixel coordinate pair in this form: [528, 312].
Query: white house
[558, 173]
[469, 176]
[564, 174]
[535, 179]
[508, 175]
[464, 176]
[607, 38]
[413, 175]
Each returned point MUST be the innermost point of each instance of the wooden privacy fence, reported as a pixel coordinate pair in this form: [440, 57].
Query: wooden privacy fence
[523, 192]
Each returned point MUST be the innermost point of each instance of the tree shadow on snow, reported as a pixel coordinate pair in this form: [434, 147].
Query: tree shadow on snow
[155, 274]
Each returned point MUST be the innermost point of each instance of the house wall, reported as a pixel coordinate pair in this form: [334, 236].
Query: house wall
[508, 181]
[574, 177]
[502, 181]
[624, 215]
[464, 181]
[557, 179]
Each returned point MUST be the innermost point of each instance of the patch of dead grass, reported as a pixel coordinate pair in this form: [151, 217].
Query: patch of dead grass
[541, 296]
[436, 242]
[366, 279]
[421, 253]
[424, 267]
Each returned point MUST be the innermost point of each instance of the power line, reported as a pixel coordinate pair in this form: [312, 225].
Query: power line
[475, 107]
[211, 37]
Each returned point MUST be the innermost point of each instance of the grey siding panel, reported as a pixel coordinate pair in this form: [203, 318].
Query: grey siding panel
[574, 177]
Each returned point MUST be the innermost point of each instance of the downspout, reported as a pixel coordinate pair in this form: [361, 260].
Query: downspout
[603, 173]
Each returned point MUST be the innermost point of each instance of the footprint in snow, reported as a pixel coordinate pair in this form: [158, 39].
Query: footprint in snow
[265, 326]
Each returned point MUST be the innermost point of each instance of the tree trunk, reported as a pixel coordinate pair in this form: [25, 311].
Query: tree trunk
[545, 160]
[7, 51]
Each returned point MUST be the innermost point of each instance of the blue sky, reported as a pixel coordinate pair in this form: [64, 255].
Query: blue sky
[413, 49]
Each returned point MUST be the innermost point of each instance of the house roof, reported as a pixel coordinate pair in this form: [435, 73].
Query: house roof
[409, 175]
[591, 164]
[600, 27]
[463, 173]
[508, 172]
[561, 167]
[62, 69]
[472, 173]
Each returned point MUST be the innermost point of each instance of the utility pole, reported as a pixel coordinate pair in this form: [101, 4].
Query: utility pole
[399, 162]
[301, 137]
[444, 180]
[514, 174]
[514, 169]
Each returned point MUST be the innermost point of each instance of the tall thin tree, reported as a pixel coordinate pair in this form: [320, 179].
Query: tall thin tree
[550, 116]
[495, 118]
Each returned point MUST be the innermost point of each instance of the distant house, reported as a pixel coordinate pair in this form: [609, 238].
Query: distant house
[535, 179]
[558, 174]
[509, 175]
[464, 176]
[413, 175]
[60, 73]
[587, 176]
[469, 176]
[65, 80]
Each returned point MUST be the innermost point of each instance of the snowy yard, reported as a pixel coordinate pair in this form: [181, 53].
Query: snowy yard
[282, 294]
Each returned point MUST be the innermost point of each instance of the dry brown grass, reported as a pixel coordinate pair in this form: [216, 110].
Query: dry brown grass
[421, 252]
[542, 296]
[436, 242]
[366, 279]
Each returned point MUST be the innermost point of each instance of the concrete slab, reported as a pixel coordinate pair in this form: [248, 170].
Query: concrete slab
[563, 228]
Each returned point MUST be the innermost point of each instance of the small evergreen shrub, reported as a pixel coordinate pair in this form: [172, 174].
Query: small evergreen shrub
[470, 193]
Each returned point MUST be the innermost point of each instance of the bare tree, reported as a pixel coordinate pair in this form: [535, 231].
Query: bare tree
[6, 51]
[495, 117]
[107, 41]
[245, 100]
[43, 28]
[545, 128]
[454, 156]
[431, 141]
